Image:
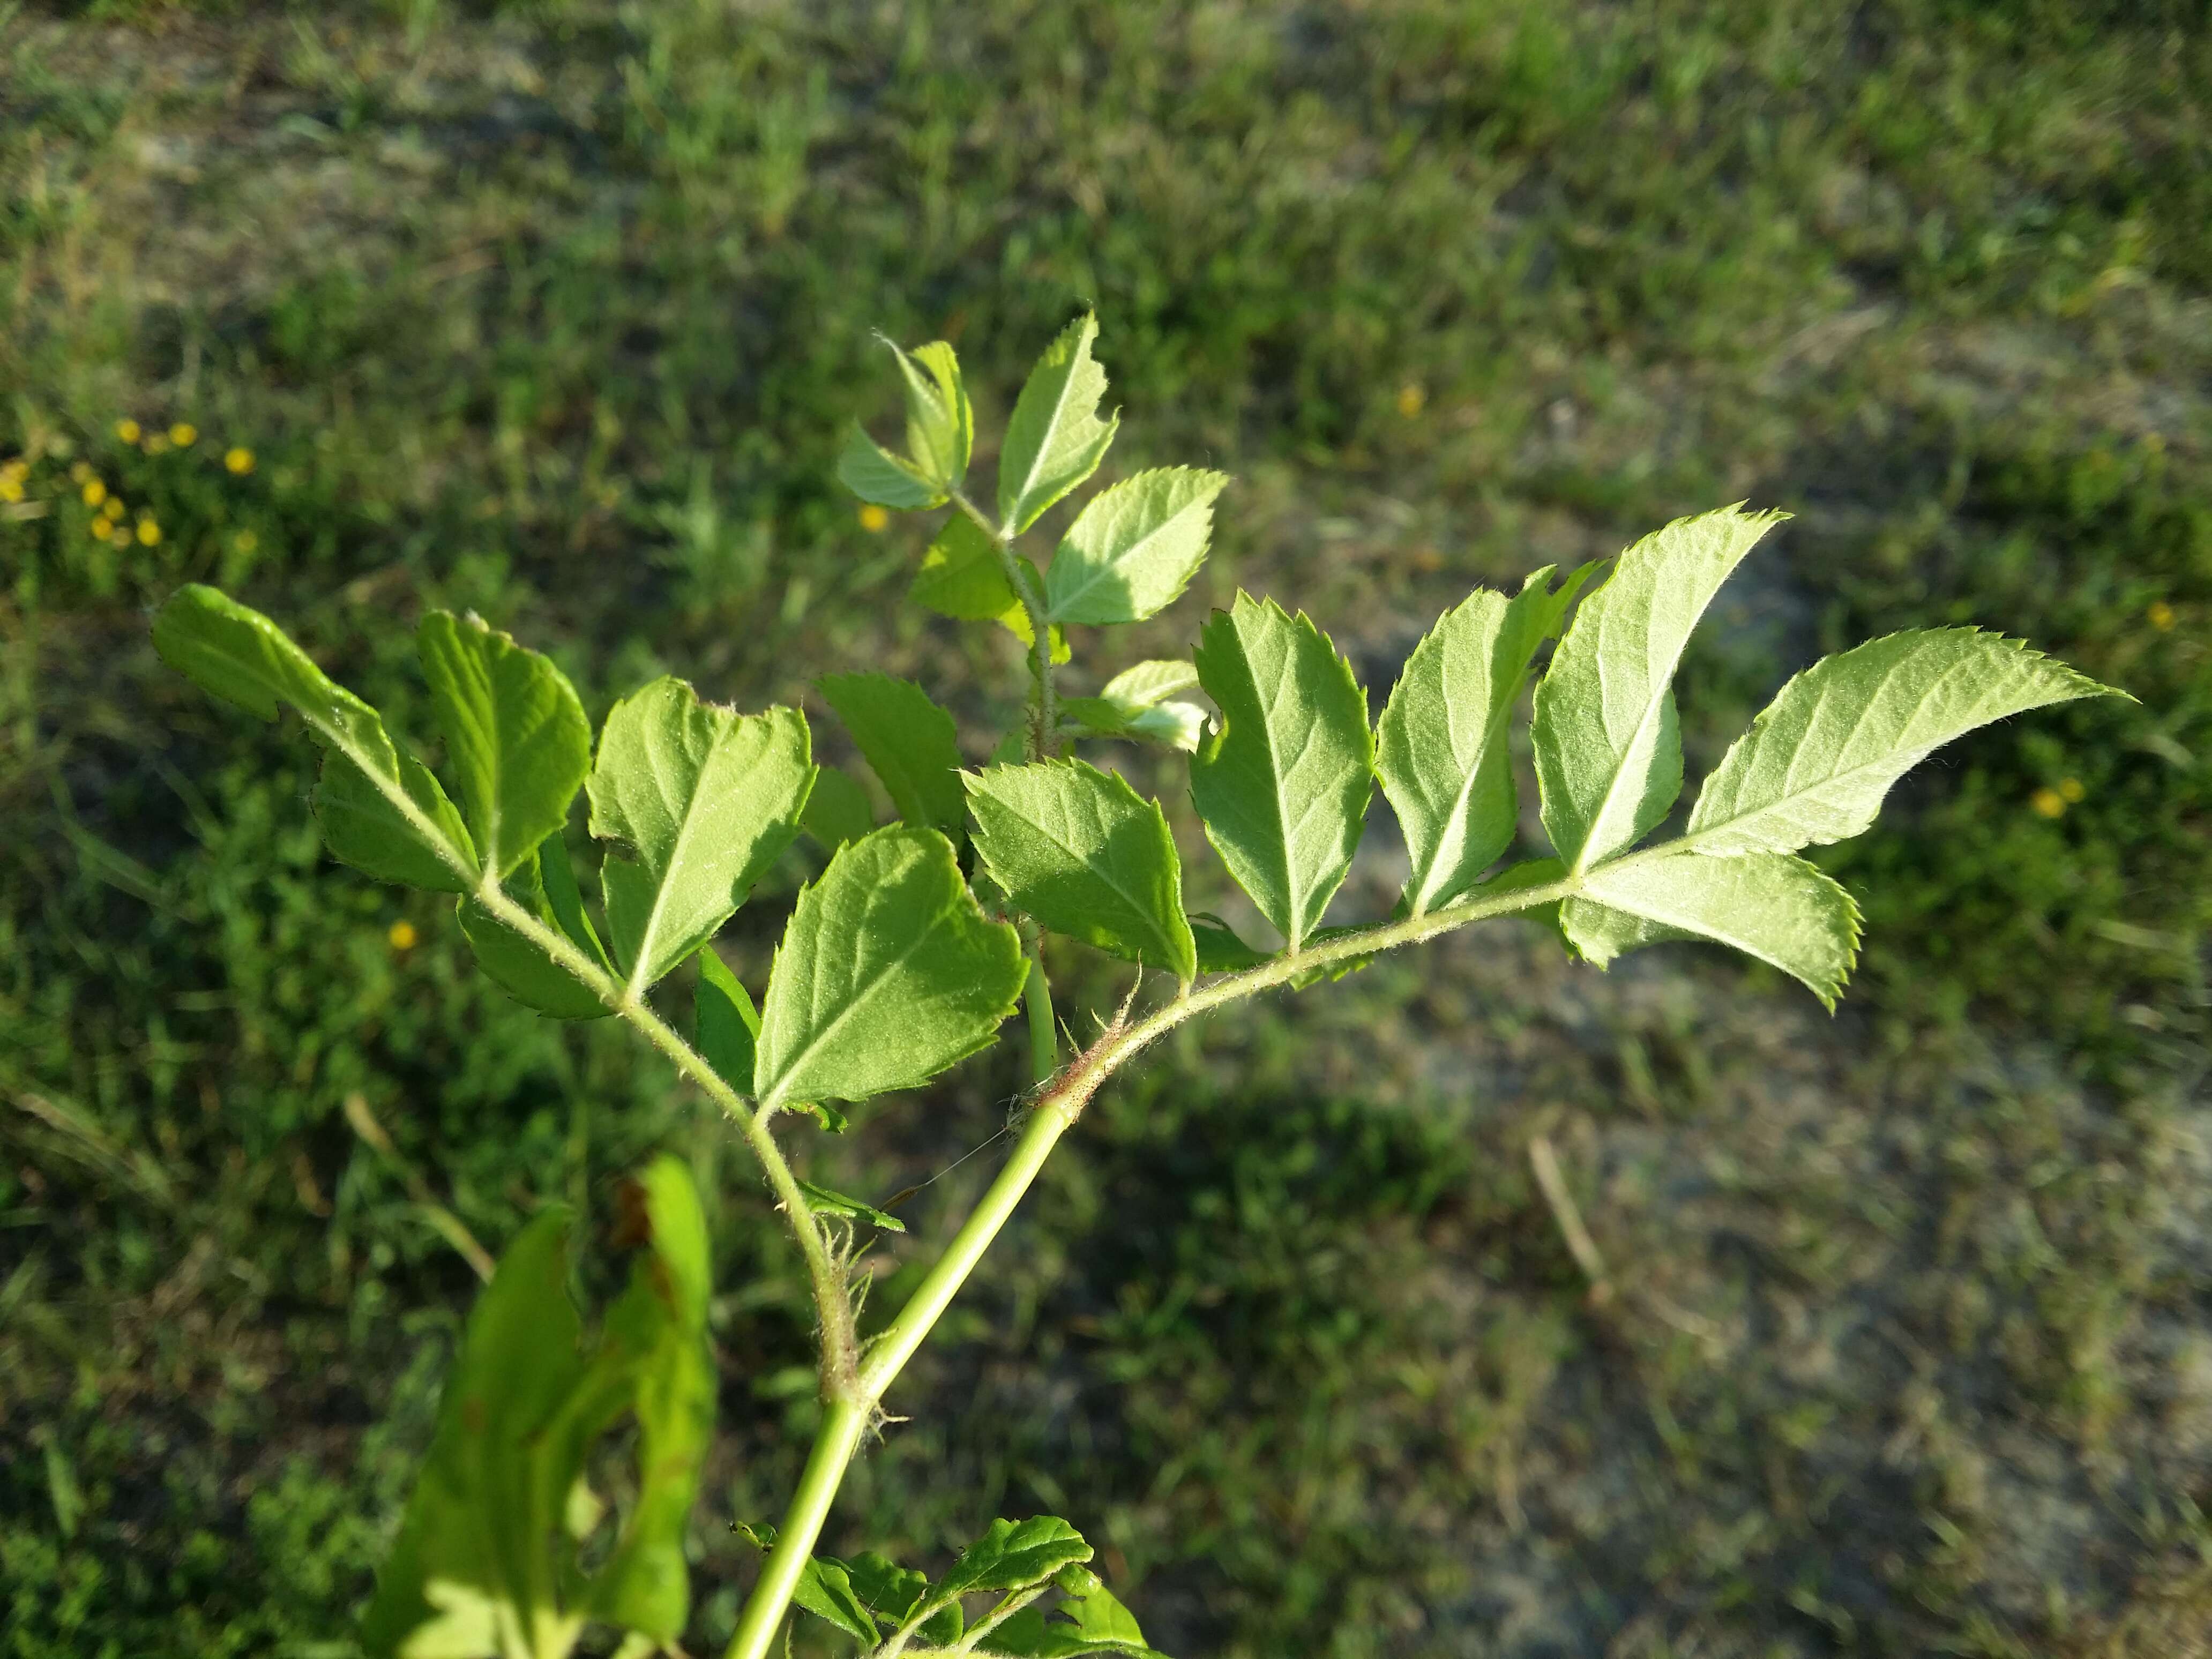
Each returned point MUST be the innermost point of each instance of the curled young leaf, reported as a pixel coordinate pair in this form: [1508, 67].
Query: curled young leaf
[874, 474]
[940, 428]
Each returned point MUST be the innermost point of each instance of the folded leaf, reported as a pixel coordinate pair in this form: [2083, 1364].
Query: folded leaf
[725, 1025]
[1134, 547]
[1055, 439]
[1221, 951]
[1609, 751]
[838, 811]
[823, 1201]
[1087, 856]
[706, 798]
[940, 428]
[381, 811]
[960, 577]
[908, 742]
[1440, 747]
[887, 973]
[515, 734]
[1282, 785]
[1012, 1555]
[1769, 905]
[1142, 685]
[874, 474]
[825, 1589]
[545, 885]
[1817, 762]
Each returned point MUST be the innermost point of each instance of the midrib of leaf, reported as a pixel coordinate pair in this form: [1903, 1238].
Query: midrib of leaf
[1036, 461]
[1121, 892]
[1269, 702]
[638, 979]
[851, 1003]
[394, 790]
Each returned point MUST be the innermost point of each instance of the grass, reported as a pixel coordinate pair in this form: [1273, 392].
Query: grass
[556, 310]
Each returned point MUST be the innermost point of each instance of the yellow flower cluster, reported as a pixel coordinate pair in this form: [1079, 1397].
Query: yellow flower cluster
[13, 473]
[874, 520]
[2052, 803]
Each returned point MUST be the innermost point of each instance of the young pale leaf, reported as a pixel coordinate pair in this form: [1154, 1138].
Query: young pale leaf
[838, 811]
[545, 885]
[909, 741]
[653, 1360]
[1221, 951]
[1013, 1555]
[725, 1025]
[874, 474]
[1440, 746]
[1134, 548]
[837, 1206]
[940, 428]
[1283, 782]
[1608, 752]
[1131, 705]
[1087, 856]
[887, 973]
[381, 810]
[1055, 439]
[706, 798]
[960, 577]
[1817, 762]
[515, 734]
[1144, 683]
[1769, 905]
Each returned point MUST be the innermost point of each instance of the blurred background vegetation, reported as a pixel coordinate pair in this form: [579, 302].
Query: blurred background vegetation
[555, 310]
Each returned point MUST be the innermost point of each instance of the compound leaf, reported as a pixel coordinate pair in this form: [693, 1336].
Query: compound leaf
[1134, 547]
[1283, 782]
[381, 811]
[1609, 751]
[909, 741]
[1769, 905]
[1815, 764]
[874, 474]
[515, 734]
[545, 885]
[1087, 856]
[1013, 1555]
[887, 973]
[1440, 747]
[1055, 439]
[706, 798]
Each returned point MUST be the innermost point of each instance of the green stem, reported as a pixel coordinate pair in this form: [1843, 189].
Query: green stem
[843, 1422]
[1044, 716]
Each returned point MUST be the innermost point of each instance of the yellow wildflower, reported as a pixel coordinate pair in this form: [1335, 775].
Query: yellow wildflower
[239, 459]
[149, 532]
[1411, 400]
[2049, 802]
[874, 519]
[401, 935]
[94, 492]
[2159, 615]
[16, 468]
[112, 508]
[2070, 790]
[11, 489]
[183, 434]
[127, 430]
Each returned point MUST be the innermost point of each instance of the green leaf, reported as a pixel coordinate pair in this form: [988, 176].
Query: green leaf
[823, 1201]
[1055, 439]
[909, 741]
[1144, 683]
[1608, 752]
[1134, 548]
[1219, 949]
[1087, 856]
[706, 798]
[1817, 762]
[544, 885]
[381, 811]
[653, 1360]
[874, 474]
[1769, 905]
[515, 734]
[1013, 1555]
[838, 810]
[825, 1589]
[1282, 784]
[960, 577]
[940, 428]
[891, 1593]
[887, 973]
[1096, 1622]
[1440, 747]
[725, 1025]
[493, 1489]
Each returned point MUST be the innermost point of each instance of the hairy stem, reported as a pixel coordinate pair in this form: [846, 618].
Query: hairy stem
[1044, 710]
